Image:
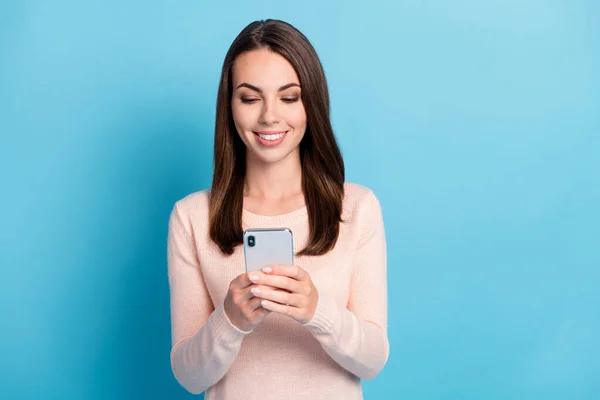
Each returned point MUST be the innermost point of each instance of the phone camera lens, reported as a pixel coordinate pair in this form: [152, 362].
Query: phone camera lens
[251, 241]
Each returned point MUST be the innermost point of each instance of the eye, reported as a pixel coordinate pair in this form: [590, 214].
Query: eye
[290, 99]
[247, 100]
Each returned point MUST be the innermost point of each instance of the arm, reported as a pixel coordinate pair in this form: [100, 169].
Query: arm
[205, 342]
[356, 336]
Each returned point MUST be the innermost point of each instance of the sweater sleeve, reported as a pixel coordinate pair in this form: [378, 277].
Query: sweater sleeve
[356, 336]
[204, 341]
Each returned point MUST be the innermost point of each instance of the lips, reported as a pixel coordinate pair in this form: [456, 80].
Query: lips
[270, 138]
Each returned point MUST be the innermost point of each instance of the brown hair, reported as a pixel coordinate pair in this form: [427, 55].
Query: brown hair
[321, 159]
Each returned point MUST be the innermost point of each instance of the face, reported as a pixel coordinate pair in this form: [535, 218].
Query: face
[267, 107]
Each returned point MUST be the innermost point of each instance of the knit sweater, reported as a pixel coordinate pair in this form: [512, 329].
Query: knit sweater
[326, 358]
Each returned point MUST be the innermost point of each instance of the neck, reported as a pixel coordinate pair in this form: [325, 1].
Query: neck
[274, 181]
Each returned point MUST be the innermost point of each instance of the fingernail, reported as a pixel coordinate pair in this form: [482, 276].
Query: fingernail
[255, 290]
[253, 278]
[267, 269]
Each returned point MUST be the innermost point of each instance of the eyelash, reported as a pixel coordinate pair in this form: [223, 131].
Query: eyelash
[288, 100]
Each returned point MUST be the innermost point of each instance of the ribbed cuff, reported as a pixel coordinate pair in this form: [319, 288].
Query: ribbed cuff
[326, 315]
[222, 328]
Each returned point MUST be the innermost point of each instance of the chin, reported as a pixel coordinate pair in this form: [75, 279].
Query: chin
[271, 157]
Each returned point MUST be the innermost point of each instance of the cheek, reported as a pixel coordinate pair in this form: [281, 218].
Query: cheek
[242, 117]
[240, 123]
[297, 118]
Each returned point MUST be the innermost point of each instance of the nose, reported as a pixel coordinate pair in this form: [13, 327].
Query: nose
[268, 115]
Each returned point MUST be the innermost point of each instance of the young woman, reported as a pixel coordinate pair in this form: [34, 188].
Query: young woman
[307, 331]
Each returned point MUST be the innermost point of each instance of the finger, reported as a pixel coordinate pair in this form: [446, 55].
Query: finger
[281, 282]
[253, 304]
[261, 278]
[259, 314]
[255, 277]
[291, 271]
[240, 282]
[246, 293]
[265, 287]
[280, 308]
[281, 297]
[246, 279]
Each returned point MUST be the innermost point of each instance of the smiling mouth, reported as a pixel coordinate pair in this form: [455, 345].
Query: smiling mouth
[270, 137]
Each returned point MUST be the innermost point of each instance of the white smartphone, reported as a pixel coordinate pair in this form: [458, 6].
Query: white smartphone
[264, 247]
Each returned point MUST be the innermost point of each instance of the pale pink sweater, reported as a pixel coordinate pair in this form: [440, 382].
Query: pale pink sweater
[346, 341]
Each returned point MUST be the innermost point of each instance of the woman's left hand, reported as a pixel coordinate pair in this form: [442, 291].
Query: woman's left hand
[299, 297]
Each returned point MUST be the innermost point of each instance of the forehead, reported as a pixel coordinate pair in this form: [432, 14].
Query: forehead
[263, 68]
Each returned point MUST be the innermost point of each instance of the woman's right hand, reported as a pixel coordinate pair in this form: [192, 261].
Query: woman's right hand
[242, 308]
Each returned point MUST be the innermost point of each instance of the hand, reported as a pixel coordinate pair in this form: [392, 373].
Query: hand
[242, 308]
[290, 291]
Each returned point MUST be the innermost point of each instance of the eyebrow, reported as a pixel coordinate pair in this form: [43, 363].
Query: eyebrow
[256, 89]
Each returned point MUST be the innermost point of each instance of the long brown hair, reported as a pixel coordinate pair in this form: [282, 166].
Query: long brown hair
[322, 164]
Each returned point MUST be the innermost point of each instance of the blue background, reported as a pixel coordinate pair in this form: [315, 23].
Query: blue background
[477, 123]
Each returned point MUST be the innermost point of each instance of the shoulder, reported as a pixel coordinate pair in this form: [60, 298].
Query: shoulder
[360, 202]
[358, 196]
[193, 208]
[195, 200]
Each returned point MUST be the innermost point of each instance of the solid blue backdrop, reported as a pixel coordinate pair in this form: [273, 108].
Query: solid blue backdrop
[476, 123]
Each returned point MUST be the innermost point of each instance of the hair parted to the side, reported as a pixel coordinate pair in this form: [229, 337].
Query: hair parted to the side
[323, 172]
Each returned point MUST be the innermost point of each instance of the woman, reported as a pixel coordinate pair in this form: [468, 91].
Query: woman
[309, 331]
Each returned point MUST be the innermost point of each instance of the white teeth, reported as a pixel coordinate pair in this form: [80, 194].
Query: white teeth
[275, 136]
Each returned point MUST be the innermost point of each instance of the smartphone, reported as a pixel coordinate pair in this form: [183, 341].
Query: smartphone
[264, 247]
